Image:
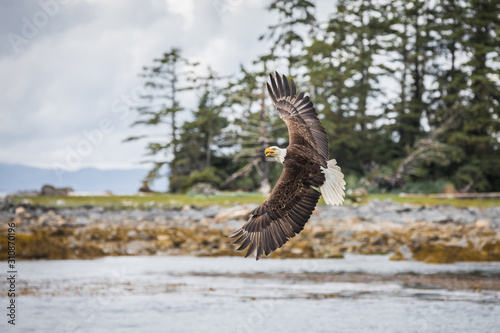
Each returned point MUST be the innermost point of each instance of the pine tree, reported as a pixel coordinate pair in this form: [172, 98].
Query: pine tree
[480, 124]
[296, 23]
[256, 127]
[161, 106]
[201, 140]
[414, 50]
[344, 76]
[410, 88]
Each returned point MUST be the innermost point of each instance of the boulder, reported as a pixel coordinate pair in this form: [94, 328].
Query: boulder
[203, 188]
[50, 190]
[482, 223]
[140, 247]
[20, 211]
[234, 213]
[358, 192]
[145, 188]
[449, 189]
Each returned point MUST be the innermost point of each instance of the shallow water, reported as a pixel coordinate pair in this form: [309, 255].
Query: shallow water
[180, 294]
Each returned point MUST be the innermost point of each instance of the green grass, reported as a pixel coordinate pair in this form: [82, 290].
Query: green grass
[145, 201]
[436, 201]
[222, 199]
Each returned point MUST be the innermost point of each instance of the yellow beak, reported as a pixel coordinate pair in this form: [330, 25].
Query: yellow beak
[269, 152]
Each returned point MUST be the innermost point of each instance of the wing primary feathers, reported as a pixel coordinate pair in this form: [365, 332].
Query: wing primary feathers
[271, 94]
[280, 85]
[245, 244]
[286, 228]
[239, 240]
[293, 92]
[291, 220]
[251, 248]
[286, 88]
[276, 239]
[236, 234]
[267, 241]
[275, 88]
[260, 245]
[304, 101]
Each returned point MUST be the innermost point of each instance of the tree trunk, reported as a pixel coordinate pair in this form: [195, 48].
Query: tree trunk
[265, 186]
[173, 168]
[208, 159]
[240, 173]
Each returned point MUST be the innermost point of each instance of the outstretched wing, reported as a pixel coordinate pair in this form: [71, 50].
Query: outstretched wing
[299, 115]
[280, 217]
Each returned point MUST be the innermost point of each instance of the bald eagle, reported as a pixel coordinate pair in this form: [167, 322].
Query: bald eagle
[307, 174]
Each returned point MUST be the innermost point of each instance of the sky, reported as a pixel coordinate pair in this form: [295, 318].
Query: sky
[68, 69]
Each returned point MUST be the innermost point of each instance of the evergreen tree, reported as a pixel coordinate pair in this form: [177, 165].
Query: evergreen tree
[161, 106]
[201, 141]
[480, 124]
[256, 128]
[296, 23]
[414, 49]
[411, 88]
[344, 77]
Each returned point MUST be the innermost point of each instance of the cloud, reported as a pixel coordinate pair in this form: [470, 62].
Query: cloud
[88, 55]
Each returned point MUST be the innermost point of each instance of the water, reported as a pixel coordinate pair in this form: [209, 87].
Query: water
[181, 294]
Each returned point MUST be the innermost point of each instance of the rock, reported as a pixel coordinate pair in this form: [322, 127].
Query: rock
[145, 187]
[139, 247]
[449, 189]
[234, 213]
[352, 245]
[402, 253]
[20, 211]
[50, 190]
[203, 188]
[481, 223]
[334, 255]
[346, 235]
[443, 254]
[374, 228]
[162, 238]
[211, 211]
[492, 250]
[378, 241]
[81, 221]
[459, 242]
[359, 192]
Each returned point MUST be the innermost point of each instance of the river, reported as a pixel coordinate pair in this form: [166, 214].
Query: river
[232, 294]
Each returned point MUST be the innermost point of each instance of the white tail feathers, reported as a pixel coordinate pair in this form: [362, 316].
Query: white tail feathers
[334, 186]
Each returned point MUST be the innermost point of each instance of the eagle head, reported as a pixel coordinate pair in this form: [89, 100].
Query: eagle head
[278, 153]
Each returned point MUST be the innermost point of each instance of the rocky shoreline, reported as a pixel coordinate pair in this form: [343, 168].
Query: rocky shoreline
[432, 234]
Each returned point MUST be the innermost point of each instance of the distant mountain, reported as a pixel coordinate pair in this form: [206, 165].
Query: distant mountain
[15, 178]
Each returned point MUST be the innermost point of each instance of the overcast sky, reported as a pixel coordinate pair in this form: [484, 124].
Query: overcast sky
[67, 67]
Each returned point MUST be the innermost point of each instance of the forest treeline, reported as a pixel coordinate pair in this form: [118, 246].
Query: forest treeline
[408, 92]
